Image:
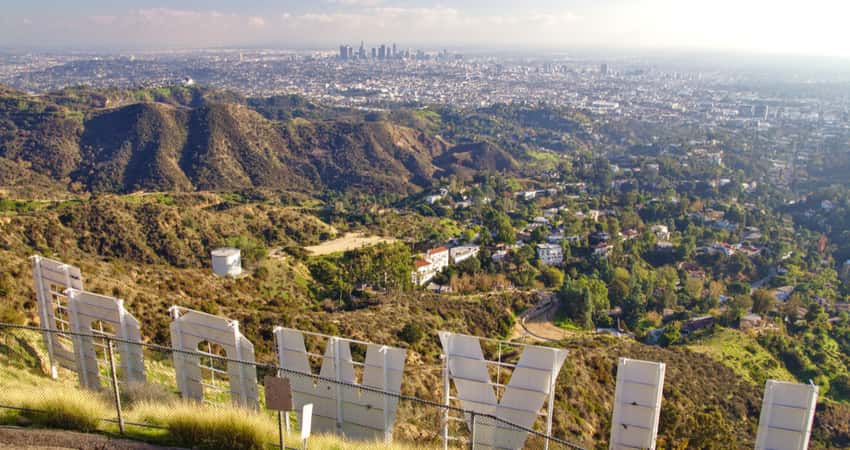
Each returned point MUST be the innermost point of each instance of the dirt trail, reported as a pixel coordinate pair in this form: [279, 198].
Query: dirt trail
[43, 439]
[538, 324]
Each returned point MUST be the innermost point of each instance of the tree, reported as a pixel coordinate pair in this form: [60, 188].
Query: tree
[763, 301]
[411, 333]
[500, 224]
[470, 265]
[672, 334]
[524, 275]
[383, 266]
[576, 305]
[738, 306]
[791, 307]
[538, 235]
[693, 287]
[552, 277]
[715, 290]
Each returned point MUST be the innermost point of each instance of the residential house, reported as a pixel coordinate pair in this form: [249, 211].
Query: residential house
[423, 272]
[749, 250]
[697, 323]
[750, 321]
[431, 199]
[540, 220]
[499, 255]
[661, 232]
[555, 238]
[724, 248]
[664, 245]
[724, 224]
[602, 249]
[550, 254]
[434, 261]
[438, 257]
[463, 252]
[783, 293]
[599, 237]
[550, 212]
[630, 234]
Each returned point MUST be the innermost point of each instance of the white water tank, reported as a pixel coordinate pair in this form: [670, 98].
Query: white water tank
[227, 261]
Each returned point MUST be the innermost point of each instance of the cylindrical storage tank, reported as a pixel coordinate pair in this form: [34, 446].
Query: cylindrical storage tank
[227, 262]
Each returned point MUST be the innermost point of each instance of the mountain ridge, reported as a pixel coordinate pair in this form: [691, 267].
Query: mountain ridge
[177, 140]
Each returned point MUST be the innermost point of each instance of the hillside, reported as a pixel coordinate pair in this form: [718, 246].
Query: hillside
[179, 139]
[706, 404]
[150, 250]
[466, 160]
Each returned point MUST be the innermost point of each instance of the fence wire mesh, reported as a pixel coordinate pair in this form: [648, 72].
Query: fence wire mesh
[419, 420]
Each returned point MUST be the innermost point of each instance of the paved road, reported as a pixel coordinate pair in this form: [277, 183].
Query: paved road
[758, 284]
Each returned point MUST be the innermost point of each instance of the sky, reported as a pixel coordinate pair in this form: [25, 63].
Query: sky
[810, 27]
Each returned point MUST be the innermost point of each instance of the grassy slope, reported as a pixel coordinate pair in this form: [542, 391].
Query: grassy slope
[23, 383]
[743, 354]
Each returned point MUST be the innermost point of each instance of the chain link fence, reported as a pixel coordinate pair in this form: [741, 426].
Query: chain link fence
[418, 421]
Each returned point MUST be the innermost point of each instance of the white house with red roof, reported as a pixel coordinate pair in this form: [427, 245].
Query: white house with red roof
[433, 262]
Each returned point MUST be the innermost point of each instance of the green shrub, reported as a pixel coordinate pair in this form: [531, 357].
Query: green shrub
[412, 333]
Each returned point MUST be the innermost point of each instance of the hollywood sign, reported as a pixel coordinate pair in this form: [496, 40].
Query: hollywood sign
[365, 408]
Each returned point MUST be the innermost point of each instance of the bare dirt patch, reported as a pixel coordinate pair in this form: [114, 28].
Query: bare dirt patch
[351, 241]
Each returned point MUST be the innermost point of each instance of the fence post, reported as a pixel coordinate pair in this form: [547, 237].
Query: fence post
[335, 341]
[472, 432]
[446, 400]
[115, 385]
[280, 430]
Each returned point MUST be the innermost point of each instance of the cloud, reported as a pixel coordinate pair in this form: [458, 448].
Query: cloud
[759, 25]
[103, 20]
[356, 2]
[370, 20]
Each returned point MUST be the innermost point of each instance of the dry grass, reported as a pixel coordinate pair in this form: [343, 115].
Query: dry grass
[56, 406]
[331, 442]
[196, 426]
[205, 427]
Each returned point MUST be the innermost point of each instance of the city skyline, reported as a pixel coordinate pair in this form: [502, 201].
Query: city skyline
[779, 27]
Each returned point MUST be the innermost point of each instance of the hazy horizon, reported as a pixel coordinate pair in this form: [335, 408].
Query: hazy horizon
[753, 27]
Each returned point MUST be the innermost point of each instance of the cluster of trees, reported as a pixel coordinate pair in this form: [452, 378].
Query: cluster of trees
[813, 348]
[584, 302]
[384, 267]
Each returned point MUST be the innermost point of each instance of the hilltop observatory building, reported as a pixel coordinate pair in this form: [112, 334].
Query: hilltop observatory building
[227, 262]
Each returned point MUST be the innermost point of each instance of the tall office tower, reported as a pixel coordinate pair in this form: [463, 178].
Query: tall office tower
[343, 52]
[350, 52]
[382, 52]
[395, 50]
[603, 69]
[761, 112]
[374, 53]
[361, 52]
